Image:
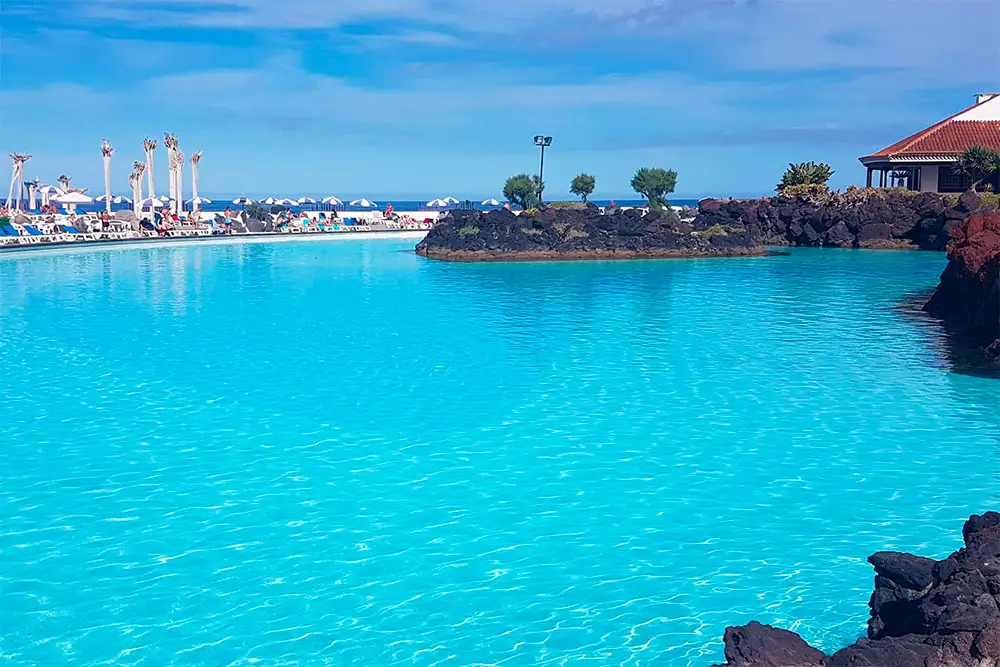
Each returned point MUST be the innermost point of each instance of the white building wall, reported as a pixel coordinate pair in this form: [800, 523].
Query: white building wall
[988, 110]
[929, 178]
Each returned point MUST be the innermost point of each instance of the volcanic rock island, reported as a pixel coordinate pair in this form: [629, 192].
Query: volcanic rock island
[583, 232]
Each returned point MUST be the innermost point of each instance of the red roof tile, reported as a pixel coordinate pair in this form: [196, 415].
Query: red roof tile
[947, 139]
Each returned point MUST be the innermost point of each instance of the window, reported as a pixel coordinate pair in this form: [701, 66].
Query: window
[949, 181]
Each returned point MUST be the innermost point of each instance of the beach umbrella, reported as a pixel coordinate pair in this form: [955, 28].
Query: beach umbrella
[74, 198]
[364, 203]
[49, 191]
[270, 201]
[152, 202]
[490, 202]
[437, 203]
[116, 199]
[306, 200]
[450, 200]
[199, 201]
[284, 202]
[243, 201]
[332, 201]
[164, 198]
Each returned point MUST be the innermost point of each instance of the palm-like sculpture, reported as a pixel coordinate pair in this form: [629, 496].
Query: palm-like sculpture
[135, 180]
[107, 150]
[149, 147]
[179, 180]
[17, 179]
[195, 159]
[170, 141]
[32, 186]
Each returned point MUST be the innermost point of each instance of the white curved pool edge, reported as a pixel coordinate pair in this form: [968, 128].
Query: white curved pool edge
[176, 242]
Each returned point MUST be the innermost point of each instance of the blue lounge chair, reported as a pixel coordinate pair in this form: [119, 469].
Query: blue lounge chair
[33, 231]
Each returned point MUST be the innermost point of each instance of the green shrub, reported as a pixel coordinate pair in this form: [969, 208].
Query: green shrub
[583, 185]
[468, 231]
[531, 211]
[522, 190]
[713, 231]
[977, 164]
[567, 204]
[808, 190]
[805, 173]
[655, 184]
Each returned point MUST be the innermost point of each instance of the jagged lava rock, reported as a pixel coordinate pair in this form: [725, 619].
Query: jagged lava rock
[582, 233]
[924, 613]
[968, 296]
[867, 218]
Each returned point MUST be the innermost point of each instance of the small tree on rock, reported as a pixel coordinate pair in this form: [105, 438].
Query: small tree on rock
[522, 190]
[977, 164]
[583, 185]
[805, 173]
[655, 184]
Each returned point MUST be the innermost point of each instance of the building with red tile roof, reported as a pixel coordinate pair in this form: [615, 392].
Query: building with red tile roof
[924, 161]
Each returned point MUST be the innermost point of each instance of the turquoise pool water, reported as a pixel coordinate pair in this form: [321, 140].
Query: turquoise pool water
[341, 453]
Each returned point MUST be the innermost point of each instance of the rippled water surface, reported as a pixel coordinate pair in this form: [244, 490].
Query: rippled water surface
[340, 453]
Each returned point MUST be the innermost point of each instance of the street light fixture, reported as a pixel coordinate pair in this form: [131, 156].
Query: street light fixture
[542, 142]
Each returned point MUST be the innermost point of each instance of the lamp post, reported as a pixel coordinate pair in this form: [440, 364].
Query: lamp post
[542, 142]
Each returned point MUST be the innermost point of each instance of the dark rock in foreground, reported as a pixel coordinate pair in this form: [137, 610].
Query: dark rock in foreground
[866, 218]
[968, 297]
[924, 613]
[582, 233]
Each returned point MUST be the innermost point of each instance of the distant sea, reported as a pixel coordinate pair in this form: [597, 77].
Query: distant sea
[420, 205]
[398, 205]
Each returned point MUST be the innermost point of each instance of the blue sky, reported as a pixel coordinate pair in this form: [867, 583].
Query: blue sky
[399, 98]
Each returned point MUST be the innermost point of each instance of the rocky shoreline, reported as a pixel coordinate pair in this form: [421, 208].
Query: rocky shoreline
[858, 218]
[968, 297]
[924, 613]
[582, 233]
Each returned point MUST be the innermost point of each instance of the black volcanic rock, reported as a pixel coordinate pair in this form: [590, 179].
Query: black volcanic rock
[582, 233]
[868, 218]
[924, 613]
[766, 646]
[968, 297]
